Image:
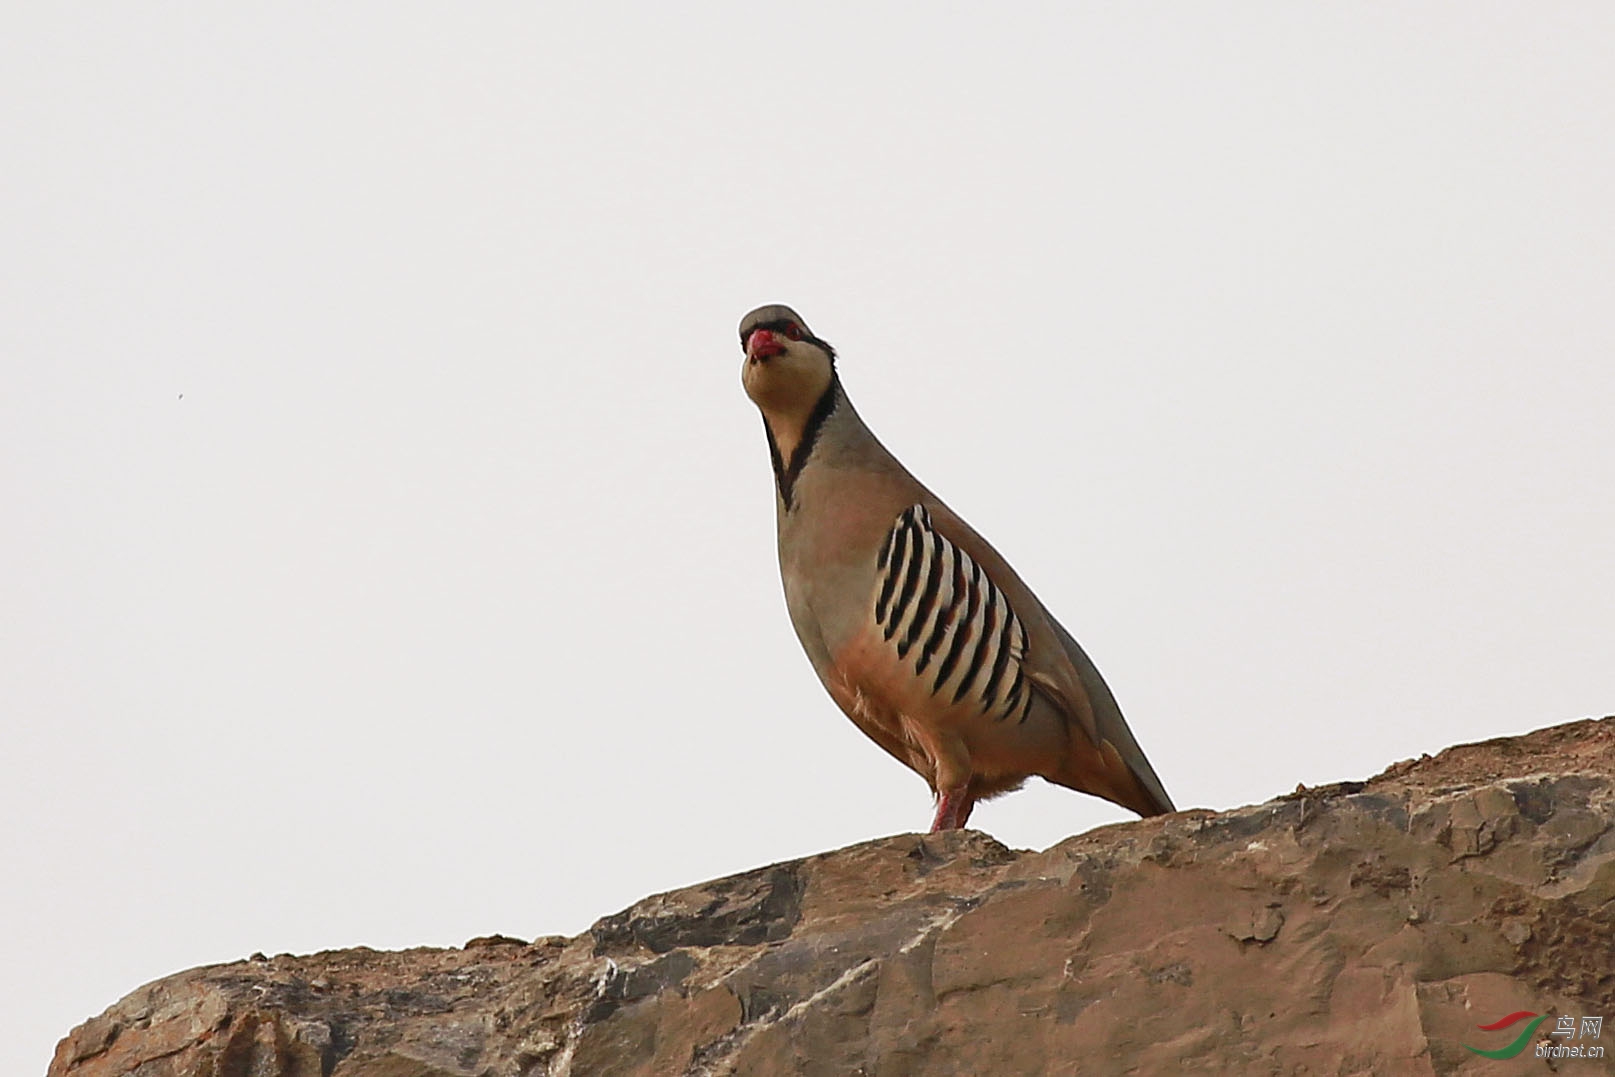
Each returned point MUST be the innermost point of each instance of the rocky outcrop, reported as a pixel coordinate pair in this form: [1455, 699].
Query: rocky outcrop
[1364, 928]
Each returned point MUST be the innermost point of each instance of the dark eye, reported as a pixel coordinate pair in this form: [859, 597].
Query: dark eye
[793, 331]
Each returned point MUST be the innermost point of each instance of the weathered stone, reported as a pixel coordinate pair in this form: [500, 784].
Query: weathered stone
[1365, 927]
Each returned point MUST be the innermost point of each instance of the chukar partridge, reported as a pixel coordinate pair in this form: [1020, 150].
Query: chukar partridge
[920, 631]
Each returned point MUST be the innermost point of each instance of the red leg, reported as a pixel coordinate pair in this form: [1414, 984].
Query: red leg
[953, 809]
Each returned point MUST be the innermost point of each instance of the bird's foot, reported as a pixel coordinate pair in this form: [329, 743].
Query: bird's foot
[953, 809]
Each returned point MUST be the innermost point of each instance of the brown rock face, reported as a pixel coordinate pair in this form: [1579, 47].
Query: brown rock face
[1365, 928]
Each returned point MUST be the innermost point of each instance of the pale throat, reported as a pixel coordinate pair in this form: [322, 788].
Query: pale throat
[788, 403]
[787, 429]
[796, 399]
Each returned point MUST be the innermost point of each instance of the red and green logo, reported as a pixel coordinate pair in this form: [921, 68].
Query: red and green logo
[1519, 1041]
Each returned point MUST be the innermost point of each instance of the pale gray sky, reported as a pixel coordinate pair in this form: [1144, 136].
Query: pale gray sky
[1272, 343]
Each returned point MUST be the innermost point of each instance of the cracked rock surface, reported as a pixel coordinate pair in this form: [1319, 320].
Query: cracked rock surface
[1363, 928]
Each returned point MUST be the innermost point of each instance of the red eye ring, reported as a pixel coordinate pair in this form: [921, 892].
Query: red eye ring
[793, 331]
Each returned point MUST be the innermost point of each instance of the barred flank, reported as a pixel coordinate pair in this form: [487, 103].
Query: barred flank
[934, 602]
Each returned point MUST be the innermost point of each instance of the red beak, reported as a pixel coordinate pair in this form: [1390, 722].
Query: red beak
[762, 344]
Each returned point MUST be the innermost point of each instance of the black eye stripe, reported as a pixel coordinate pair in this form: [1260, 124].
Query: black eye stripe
[783, 328]
[780, 325]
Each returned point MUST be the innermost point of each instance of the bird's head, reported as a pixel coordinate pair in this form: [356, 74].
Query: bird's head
[787, 368]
